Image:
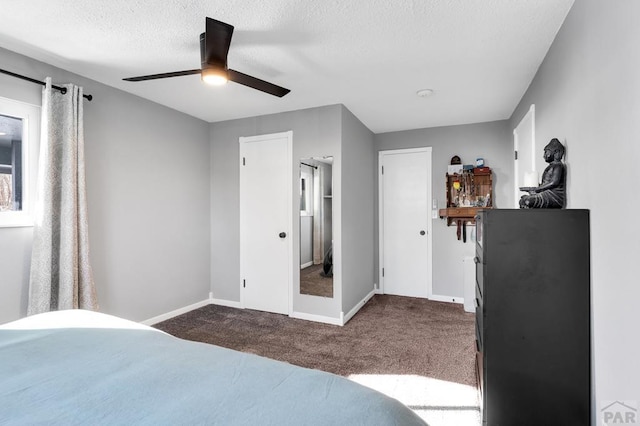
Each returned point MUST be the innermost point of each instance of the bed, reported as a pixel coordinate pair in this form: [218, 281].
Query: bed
[81, 367]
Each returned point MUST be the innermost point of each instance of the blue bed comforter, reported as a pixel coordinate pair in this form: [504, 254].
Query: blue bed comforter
[120, 376]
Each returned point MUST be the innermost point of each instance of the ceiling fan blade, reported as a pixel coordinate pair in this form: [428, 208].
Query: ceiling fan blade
[257, 84]
[217, 38]
[164, 75]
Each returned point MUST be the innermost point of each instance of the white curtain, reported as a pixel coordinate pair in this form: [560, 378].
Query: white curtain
[61, 276]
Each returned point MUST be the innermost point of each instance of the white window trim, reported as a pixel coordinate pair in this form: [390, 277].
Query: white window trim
[30, 148]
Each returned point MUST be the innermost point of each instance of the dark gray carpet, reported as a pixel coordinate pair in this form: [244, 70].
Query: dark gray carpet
[390, 335]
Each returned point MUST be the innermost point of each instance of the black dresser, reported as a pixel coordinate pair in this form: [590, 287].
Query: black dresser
[533, 317]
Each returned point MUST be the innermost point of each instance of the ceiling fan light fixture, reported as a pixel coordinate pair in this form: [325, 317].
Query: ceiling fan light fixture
[215, 76]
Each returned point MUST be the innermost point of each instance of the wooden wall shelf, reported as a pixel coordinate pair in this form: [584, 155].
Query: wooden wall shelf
[454, 214]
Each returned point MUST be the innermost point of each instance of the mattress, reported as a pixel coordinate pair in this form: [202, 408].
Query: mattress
[80, 367]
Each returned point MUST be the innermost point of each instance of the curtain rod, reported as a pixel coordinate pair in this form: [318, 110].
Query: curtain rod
[63, 90]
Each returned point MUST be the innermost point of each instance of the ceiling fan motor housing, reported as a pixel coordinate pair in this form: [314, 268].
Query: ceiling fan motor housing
[212, 62]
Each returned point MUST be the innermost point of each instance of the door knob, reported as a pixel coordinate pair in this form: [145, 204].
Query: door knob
[421, 232]
[282, 235]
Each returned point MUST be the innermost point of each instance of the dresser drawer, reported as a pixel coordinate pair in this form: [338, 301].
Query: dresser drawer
[480, 374]
[479, 320]
[479, 275]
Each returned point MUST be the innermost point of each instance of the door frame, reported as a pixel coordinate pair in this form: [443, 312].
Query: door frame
[531, 114]
[429, 259]
[243, 140]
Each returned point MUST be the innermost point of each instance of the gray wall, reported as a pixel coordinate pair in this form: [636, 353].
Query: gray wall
[492, 141]
[358, 207]
[15, 259]
[147, 173]
[587, 94]
[316, 133]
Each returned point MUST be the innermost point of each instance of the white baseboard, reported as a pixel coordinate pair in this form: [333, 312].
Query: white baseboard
[233, 304]
[227, 303]
[450, 299]
[336, 321]
[175, 313]
[306, 265]
[317, 318]
[360, 304]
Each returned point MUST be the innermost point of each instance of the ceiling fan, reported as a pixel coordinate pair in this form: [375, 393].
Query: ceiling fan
[214, 47]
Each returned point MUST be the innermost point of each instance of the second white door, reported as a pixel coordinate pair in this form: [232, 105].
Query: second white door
[265, 222]
[405, 219]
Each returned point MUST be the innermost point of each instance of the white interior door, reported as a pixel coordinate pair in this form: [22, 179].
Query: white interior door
[524, 146]
[405, 222]
[265, 222]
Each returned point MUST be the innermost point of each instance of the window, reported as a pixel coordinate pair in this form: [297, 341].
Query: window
[19, 136]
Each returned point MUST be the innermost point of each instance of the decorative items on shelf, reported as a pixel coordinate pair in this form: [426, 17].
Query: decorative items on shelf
[455, 166]
[468, 189]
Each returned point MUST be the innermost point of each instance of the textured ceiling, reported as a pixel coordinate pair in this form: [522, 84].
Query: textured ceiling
[370, 55]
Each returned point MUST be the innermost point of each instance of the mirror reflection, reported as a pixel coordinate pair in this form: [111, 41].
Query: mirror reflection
[316, 231]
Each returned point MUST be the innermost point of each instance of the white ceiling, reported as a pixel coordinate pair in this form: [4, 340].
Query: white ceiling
[370, 55]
